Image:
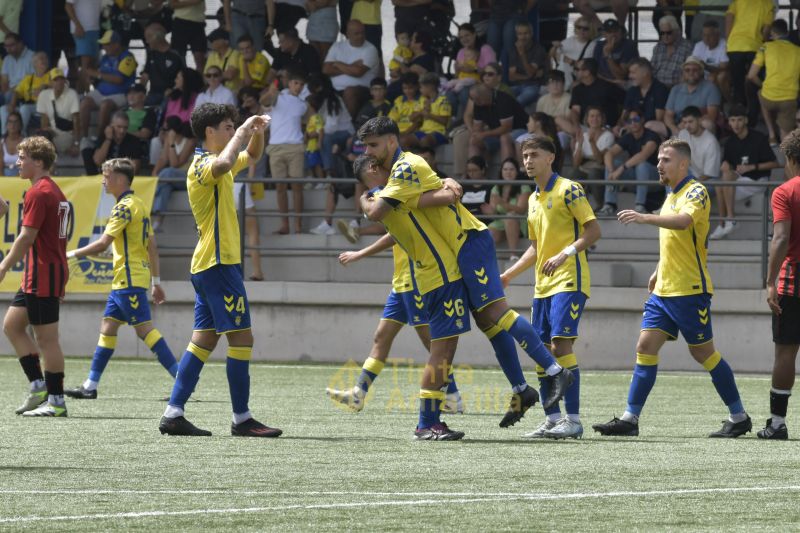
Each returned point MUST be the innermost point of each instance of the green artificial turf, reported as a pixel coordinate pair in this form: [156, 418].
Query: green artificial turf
[107, 467]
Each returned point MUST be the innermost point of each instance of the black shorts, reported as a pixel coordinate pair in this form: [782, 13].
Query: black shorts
[41, 311]
[345, 189]
[188, 34]
[786, 326]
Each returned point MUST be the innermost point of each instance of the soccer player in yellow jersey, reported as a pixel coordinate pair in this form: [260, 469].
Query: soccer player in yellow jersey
[403, 306]
[561, 226]
[680, 299]
[135, 266]
[221, 305]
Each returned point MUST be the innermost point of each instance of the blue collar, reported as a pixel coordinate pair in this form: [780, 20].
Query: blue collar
[123, 195]
[550, 183]
[396, 156]
[199, 150]
[683, 182]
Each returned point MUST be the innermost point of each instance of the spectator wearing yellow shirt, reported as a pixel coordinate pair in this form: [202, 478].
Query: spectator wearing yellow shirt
[435, 114]
[405, 110]
[315, 130]
[747, 24]
[253, 64]
[24, 97]
[778, 95]
[401, 55]
[225, 58]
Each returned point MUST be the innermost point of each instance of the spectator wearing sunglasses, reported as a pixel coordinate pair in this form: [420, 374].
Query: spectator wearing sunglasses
[567, 53]
[215, 93]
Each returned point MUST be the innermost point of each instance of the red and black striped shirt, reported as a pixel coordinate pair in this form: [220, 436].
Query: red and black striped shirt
[786, 208]
[46, 209]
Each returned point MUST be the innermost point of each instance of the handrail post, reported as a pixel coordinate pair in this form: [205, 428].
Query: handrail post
[764, 237]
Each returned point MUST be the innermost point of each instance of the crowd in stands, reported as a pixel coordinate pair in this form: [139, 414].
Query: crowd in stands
[515, 70]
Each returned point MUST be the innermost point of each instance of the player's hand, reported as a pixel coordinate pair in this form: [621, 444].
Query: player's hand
[628, 216]
[345, 258]
[158, 295]
[651, 283]
[452, 185]
[773, 300]
[256, 123]
[553, 263]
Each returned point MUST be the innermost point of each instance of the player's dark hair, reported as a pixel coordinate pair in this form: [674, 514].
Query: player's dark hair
[120, 165]
[790, 146]
[539, 143]
[692, 111]
[378, 126]
[361, 164]
[679, 145]
[210, 116]
[39, 148]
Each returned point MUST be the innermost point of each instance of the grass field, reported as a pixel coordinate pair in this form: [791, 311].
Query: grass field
[106, 467]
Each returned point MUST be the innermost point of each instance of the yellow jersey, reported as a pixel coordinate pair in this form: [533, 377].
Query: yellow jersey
[214, 211]
[258, 69]
[232, 58]
[129, 225]
[401, 112]
[749, 17]
[782, 59]
[27, 89]
[682, 269]
[440, 107]
[402, 277]
[367, 11]
[315, 125]
[401, 55]
[556, 216]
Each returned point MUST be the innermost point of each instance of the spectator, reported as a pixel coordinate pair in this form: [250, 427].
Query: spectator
[712, 52]
[492, 77]
[225, 58]
[10, 142]
[62, 42]
[556, 102]
[249, 104]
[84, 16]
[351, 64]
[116, 142]
[542, 125]
[696, 91]
[670, 52]
[285, 150]
[323, 27]
[9, 21]
[746, 26]
[189, 30]
[503, 18]
[182, 97]
[646, 94]
[528, 64]
[338, 128]
[778, 95]
[315, 132]
[216, 92]
[287, 13]
[401, 56]
[614, 53]
[435, 114]
[369, 13]
[406, 110]
[567, 54]
[706, 152]
[746, 156]
[161, 66]
[589, 148]
[292, 53]
[246, 17]
[589, 8]
[141, 119]
[641, 146]
[470, 60]
[476, 197]
[377, 106]
[423, 60]
[408, 14]
[509, 199]
[253, 64]
[497, 119]
[58, 109]
[115, 76]
[172, 164]
[591, 91]
[16, 65]
[25, 94]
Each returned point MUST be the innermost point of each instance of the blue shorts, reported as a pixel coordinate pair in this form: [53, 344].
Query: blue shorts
[440, 139]
[447, 315]
[405, 308]
[220, 302]
[477, 261]
[128, 306]
[691, 315]
[87, 45]
[557, 316]
[313, 159]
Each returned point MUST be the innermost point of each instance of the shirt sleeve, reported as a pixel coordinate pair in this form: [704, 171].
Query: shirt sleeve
[714, 96]
[759, 59]
[712, 161]
[781, 208]
[578, 205]
[118, 220]
[697, 201]
[34, 209]
[241, 162]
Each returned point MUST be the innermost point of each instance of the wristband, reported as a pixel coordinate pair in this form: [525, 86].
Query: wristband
[70, 254]
[156, 280]
[570, 250]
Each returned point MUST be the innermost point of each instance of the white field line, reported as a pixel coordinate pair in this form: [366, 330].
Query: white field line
[396, 503]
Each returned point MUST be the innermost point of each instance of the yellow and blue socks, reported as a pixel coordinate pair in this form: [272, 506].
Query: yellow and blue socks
[430, 403]
[102, 354]
[237, 367]
[572, 397]
[724, 382]
[778, 405]
[522, 331]
[369, 372]
[33, 371]
[505, 350]
[644, 377]
[452, 388]
[189, 369]
[158, 346]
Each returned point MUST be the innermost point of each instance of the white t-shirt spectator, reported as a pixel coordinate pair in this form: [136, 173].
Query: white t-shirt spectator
[712, 58]
[706, 154]
[287, 116]
[221, 95]
[344, 52]
[571, 47]
[339, 122]
[604, 142]
[66, 105]
[88, 13]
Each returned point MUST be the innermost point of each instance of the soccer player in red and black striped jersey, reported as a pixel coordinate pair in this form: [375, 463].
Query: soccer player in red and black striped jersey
[783, 288]
[42, 242]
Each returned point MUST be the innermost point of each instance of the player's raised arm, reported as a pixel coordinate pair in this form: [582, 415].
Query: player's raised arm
[244, 133]
[255, 148]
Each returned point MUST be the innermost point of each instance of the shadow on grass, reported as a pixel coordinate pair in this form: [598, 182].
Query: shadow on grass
[117, 417]
[6, 468]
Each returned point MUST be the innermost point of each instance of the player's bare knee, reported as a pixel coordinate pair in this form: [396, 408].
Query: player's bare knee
[701, 352]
